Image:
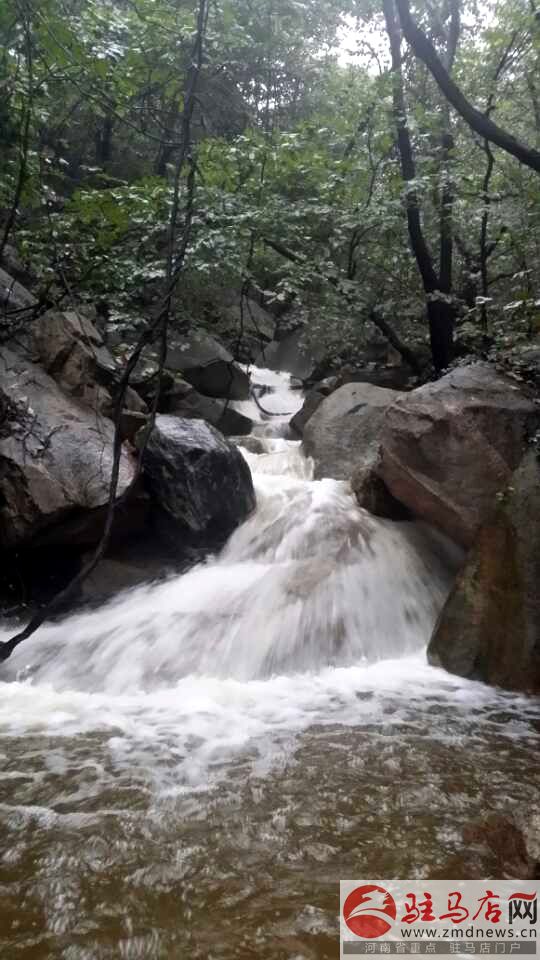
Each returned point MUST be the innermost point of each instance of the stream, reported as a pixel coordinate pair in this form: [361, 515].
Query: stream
[189, 770]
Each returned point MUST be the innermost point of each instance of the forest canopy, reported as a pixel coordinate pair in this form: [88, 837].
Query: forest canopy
[324, 164]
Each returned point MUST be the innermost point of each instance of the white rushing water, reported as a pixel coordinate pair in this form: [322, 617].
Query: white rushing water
[311, 601]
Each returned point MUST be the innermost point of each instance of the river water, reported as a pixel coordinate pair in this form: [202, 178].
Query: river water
[188, 771]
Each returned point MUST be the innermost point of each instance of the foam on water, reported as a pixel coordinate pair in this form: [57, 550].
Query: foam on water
[312, 605]
[177, 734]
[272, 403]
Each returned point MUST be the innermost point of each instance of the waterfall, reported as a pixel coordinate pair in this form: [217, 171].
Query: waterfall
[309, 581]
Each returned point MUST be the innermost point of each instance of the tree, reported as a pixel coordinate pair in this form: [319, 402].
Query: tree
[294, 148]
[437, 286]
[480, 122]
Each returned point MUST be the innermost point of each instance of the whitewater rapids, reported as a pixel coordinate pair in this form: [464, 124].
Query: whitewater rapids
[309, 581]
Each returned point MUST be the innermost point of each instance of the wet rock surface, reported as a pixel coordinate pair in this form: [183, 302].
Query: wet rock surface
[344, 430]
[448, 447]
[313, 400]
[489, 628]
[55, 454]
[209, 367]
[199, 479]
[190, 405]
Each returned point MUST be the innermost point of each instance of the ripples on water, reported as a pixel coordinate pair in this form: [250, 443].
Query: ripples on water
[190, 770]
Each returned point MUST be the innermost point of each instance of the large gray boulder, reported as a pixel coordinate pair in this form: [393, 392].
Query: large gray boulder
[56, 333]
[209, 367]
[73, 352]
[449, 446]
[343, 431]
[199, 479]
[489, 628]
[55, 453]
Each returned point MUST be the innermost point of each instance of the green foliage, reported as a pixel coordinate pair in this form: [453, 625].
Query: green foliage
[299, 187]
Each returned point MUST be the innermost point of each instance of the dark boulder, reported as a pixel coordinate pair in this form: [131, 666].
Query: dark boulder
[131, 422]
[194, 406]
[372, 494]
[55, 454]
[199, 479]
[489, 628]
[447, 447]
[209, 367]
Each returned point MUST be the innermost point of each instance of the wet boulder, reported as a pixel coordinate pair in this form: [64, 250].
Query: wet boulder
[209, 367]
[313, 399]
[73, 352]
[55, 455]
[191, 405]
[198, 478]
[343, 431]
[447, 447]
[489, 628]
[373, 495]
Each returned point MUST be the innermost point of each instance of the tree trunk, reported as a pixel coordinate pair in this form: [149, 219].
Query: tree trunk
[104, 141]
[439, 312]
[441, 332]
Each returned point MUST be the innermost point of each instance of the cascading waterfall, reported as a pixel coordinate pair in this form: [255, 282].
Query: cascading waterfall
[309, 581]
